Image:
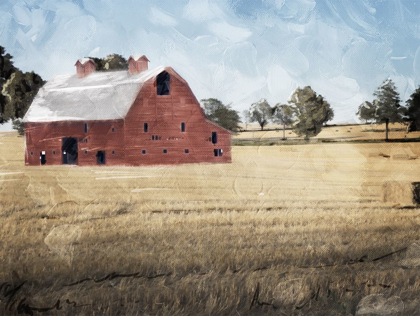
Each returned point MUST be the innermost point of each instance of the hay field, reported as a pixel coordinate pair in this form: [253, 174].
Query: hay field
[282, 230]
[349, 132]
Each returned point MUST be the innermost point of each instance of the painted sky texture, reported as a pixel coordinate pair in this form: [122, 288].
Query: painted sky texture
[237, 51]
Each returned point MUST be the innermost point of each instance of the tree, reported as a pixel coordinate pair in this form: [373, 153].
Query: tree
[115, 62]
[6, 70]
[111, 62]
[283, 114]
[310, 110]
[367, 111]
[19, 92]
[247, 117]
[19, 126]
[413, 111]
[388, 108]
[260, 112]
[221, 114]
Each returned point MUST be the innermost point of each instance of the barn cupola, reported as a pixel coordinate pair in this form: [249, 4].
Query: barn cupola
[84, 67]
[137, 63]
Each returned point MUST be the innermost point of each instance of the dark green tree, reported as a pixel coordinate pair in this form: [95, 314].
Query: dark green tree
[6, 70]
[283, 114]
[261, 112]
[413, 111]
[221, 114]
[388, 107]
[111, 62]
[310, 110]
[367, 112]
[19, 126]
[115, 62]
[19, 91]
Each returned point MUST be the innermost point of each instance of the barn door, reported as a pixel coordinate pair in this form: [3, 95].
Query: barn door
[42, 158]
[69, 151]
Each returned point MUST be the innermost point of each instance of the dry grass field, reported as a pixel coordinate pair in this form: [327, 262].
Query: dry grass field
[282, 230]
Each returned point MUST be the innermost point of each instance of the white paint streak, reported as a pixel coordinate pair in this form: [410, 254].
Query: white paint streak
[123, 177]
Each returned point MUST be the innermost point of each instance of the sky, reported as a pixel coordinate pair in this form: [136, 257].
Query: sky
[238, 51]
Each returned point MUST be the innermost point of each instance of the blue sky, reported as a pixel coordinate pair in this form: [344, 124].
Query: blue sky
[238, 51]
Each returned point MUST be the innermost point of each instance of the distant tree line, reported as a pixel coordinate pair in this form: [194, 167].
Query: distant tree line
[306, 112]
[386, 108]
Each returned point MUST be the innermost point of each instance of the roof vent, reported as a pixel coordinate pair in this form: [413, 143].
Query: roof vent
[84, 67]
[137, 63]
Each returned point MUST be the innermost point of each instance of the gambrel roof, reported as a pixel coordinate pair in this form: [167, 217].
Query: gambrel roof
[98, 96]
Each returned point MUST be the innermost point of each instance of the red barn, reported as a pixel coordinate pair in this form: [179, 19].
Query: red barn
[134, 117]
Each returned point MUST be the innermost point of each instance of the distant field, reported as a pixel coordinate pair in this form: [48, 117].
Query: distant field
[282, 230]
[343, 133]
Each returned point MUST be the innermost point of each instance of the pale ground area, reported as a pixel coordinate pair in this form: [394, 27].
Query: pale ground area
[304, 224]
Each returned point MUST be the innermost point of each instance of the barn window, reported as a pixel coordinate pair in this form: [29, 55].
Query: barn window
[183, 127]
[53, 152]
[85, 151]
[162, 83]
[153, 137]
[86, 127]
[145, 127]
[214, 137]
[187, 151]
[113, 152]
[100, 157]
[113, 129]
[32, 153]
[143, 151]
[165, 151]
[218, 152]
[86, 140]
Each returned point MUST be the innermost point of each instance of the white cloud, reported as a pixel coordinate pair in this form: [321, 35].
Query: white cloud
[228, 32]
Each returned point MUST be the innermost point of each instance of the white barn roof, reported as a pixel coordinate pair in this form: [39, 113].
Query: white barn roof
[98, 96]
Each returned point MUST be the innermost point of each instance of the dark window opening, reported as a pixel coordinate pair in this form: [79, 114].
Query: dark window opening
[165, 151]
[182, 127]
[113, 152]
[42, 157]
[146, 127]
[214, 137]
[85, 151]
[100, 157]
[32, 153]
[86, 140]
[218, 152]
[187, 151]
[113, 129]
[86, 127]
[53, 152]
[69, 150]
[162, 83]
[153, 137]
[143, 152]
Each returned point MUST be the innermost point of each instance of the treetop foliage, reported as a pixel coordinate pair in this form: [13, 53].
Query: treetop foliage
[221, 114]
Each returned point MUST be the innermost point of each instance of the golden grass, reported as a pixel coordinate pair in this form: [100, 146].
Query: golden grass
[305, 225]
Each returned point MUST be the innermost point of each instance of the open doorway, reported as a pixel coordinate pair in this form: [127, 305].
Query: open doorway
[100, 157]
[69, 151]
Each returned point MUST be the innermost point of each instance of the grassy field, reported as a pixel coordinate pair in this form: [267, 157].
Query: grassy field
[282, 230]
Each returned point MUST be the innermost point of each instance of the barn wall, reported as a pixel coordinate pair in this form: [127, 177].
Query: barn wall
[48, 137]
[164, 115]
